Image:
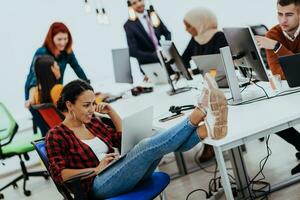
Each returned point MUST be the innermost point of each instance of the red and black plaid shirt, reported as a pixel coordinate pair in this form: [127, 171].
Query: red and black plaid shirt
[66, 151]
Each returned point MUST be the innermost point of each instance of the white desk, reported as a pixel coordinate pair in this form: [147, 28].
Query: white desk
[159, 99]
[247, 123]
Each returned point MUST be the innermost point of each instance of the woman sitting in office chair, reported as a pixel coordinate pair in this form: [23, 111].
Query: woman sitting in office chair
[206, 39]
[202, 25]
[82, 143]
[48, 88]
[47, 74]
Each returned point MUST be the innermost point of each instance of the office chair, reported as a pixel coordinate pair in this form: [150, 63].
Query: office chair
[46, 116]
[261, 30]
[148, 189]
[11, 146]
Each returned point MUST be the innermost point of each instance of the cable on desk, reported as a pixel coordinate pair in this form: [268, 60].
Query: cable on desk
[249, 101]
[194, 88]
[247, 84]
[266, 96]
[262, 90]
[244, 88]
[283, 93]
[287, 92]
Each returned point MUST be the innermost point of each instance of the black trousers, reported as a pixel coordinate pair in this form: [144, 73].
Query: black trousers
[292, 136]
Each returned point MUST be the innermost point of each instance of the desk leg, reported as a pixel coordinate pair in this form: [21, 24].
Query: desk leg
[239, 170]
[180, 163]
[223, 172]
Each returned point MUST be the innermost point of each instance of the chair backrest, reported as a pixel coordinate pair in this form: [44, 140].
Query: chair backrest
[261, 30]
[121, 64]
[8, 127]
[40, 147]
[46, 116]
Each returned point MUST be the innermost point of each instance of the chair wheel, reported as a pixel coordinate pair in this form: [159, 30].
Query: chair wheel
[1, 196]
[27, 193]
[15, 186]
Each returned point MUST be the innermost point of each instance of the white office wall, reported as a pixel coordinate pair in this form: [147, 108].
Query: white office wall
[24, 25]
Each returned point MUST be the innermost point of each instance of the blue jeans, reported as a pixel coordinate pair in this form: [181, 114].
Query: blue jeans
[142, 160]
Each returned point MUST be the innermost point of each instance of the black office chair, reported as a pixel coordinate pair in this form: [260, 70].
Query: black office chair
[261, 30]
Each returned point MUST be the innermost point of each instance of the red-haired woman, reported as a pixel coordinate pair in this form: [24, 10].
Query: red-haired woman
[58, 43]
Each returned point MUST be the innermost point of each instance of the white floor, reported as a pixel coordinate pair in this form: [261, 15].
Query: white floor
[278, 168]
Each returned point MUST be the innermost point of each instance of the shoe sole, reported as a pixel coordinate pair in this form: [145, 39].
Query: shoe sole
[216, 120]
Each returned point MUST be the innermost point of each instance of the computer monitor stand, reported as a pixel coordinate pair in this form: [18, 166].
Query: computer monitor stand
[232, 79]
[174, 91]
[167, 65]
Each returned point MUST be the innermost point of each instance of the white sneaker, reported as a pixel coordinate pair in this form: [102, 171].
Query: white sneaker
[217, 109]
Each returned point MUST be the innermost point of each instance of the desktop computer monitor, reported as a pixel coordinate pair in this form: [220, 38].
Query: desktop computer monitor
[165, 64]
[122, 67]
[170, 52]
[245, 51]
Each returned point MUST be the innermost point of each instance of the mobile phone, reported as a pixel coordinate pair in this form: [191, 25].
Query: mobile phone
[112, 99]
[170, 117]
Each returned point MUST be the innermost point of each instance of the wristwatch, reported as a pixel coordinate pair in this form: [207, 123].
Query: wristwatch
[276, 47]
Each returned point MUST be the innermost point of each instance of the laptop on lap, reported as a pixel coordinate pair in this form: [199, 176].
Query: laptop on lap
[135, 128]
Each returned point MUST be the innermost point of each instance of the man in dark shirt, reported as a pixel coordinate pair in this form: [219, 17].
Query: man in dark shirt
[142, 37]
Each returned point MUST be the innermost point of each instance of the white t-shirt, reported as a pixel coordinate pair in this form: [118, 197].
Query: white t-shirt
[97, 146]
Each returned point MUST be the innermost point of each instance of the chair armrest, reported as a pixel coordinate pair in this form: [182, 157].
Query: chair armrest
[74, 184]
[79, 177]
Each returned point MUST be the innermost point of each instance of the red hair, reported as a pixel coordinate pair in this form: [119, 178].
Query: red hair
[55, 28]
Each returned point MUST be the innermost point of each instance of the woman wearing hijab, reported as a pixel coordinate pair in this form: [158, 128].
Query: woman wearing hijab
[206, 39]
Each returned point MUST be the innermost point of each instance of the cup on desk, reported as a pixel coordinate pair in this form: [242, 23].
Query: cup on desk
[275, 82]
[213, 72]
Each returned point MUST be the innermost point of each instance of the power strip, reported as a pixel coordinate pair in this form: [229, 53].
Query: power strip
[217, 195]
